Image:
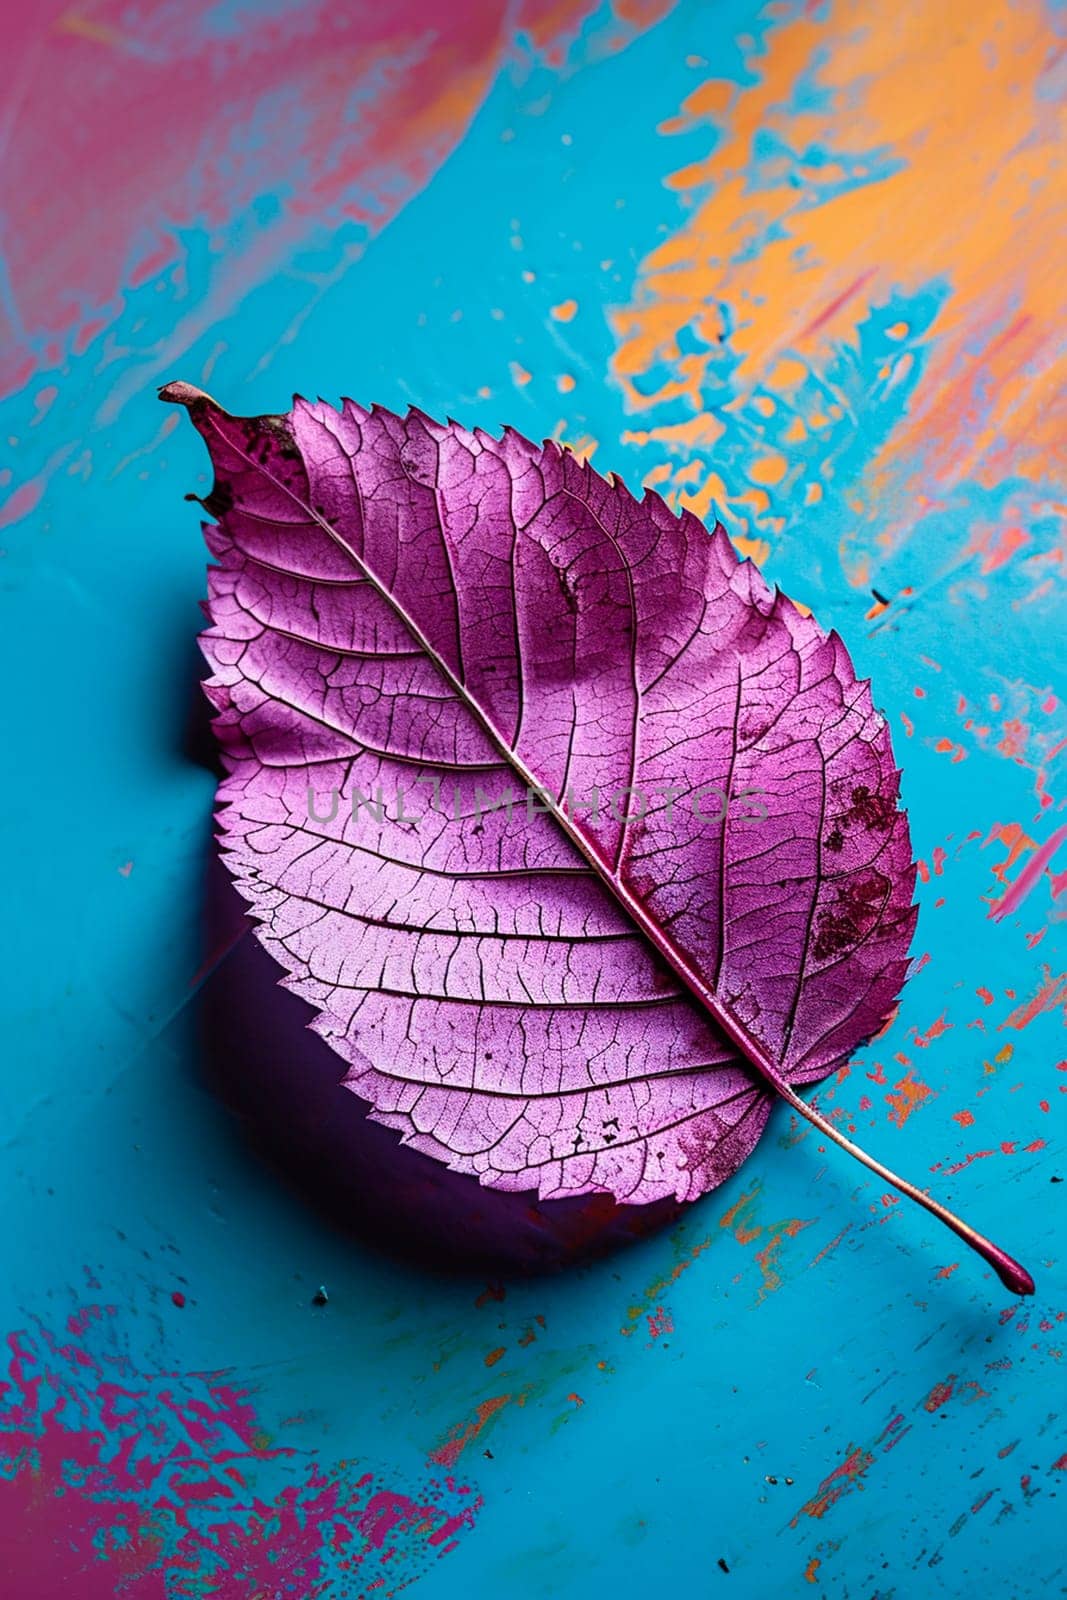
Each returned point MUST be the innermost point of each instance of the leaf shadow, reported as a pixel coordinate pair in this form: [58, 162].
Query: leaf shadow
[282, 1085]
[196, 743]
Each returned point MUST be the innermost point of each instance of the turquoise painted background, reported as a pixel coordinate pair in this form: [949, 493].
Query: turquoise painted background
[790, 263]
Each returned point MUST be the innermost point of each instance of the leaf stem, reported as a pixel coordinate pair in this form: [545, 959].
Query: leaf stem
[1011, 1273]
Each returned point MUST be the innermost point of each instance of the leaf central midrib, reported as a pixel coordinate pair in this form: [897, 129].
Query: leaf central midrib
[748, 1046]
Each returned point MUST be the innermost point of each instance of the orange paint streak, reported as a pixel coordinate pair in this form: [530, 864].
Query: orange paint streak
[746, 1230]
[1052, 993]
[934, 1031]
[1018, 842]
[1029, 876]
[743, 1230]
[1013, 741]
[642, 13]
[769, 469]
[961, 1166]
[940, 1393]
[843, 1478]
[827, 1248]
[999, 546]
[970, 142]
[767, 1259]
[907, 1096]
[655, 1290]
[448, 1453]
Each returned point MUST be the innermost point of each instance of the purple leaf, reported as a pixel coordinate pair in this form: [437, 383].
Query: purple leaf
[409, 623]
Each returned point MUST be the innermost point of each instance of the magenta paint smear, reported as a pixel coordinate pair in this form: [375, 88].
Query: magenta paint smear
[1029, 877]
[116, 1481]
[315, 114]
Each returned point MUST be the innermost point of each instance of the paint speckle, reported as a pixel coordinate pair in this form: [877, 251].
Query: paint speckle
[100, 1462]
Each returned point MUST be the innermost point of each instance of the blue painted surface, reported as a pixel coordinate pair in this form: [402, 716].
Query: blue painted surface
[712, 1406]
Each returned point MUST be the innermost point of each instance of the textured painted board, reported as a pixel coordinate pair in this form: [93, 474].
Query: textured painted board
[793, 264]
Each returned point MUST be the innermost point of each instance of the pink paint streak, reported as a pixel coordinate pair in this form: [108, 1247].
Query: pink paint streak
[1029, 877]
[22, 501]
[157, 109]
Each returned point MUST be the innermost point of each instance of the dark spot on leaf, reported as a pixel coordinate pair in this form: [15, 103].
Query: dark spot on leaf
[220, 500]
[281, 436]
[418, 468]
[852, 915]
[874, 811]
[568, 589]
[834, 840]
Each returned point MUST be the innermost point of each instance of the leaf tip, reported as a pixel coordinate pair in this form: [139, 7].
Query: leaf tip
[180, 393]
